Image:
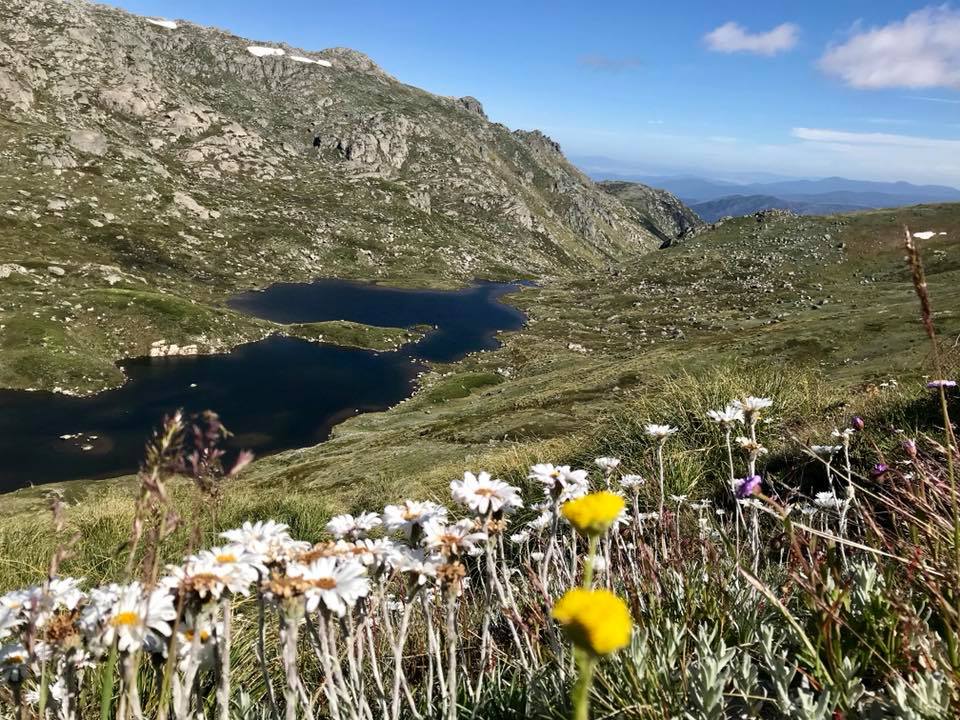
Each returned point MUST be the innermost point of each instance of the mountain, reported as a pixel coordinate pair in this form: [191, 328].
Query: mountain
[662, 212]
[827, 191]
[151, 168]
[738, 205]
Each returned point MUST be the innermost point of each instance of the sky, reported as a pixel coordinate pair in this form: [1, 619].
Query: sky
[867, 89]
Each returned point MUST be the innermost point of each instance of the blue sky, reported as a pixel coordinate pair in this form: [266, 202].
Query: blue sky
[865, 89]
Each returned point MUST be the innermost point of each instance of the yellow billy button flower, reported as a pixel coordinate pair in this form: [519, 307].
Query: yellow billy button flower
[592, 514]
[596, 621]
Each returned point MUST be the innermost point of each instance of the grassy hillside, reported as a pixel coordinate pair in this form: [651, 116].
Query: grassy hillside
[828, 298]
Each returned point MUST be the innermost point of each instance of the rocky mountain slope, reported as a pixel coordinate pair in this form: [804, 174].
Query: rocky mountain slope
[662, 212]
[149, 168]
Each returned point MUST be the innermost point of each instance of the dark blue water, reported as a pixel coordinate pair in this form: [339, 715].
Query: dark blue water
[275, 394]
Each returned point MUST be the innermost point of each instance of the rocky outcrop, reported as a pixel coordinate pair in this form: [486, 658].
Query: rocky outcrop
[661, 211]
[309, 161]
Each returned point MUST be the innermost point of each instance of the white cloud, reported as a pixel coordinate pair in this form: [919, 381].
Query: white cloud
[876, 139]
[945, 101]
[921, 51]
[732, 37]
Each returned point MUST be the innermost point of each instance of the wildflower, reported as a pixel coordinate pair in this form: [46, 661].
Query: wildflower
[826, 500]
[411, 515]
[483, 494]
[452, 539]
[592, 514]
[416, 565]
[9, 621]
[941, 384]
[336, 583]
[536, 556]
[843, 435]
[596, 621]
[542, 522]
[135, 614]
[751, 446]
[560, 482]
[607, 464]
[879, 470]
[701, 505]
[826, 451]
[341, 526]
[13, 663]
[196, 643]
[659, 432]
[632, 482]
[910, 447]
[752, 407]
[857, 423]
[727, 417]
[211, 573]
[520, 538]
[368, 552]
[269, 540]
[678, 499]
[747, 486]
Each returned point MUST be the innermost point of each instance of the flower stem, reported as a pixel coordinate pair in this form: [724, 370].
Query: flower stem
[106, 690]
[588, 562]
[581, 691]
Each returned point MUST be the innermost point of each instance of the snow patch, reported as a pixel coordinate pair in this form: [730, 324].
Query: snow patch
[259, 51]
[168, 24]
[311, 61]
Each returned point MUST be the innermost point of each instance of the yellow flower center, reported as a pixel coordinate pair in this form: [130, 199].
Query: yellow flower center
[485, 492]
[128, 618]
[325, 583]
[226, 558]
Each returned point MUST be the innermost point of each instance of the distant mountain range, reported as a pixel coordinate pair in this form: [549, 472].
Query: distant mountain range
[713, 199]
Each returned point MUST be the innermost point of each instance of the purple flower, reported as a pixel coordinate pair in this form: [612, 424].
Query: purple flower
[879, 469]
[748, 486]
[937, 384]
[857, 423]
[911, 447]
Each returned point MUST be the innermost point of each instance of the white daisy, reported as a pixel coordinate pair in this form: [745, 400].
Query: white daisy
[483, 494]
[371, 552]
[560, 482]
[727, 417]
[752, 406]
[341, 526]
[411, 514]
[542, 522]
[751, 446]
[335, 583]
[659, 432]
[632, 482]
[134, 614]
[520, 538]
[452, 539]
[270, 540]
[607, 464]
[416, 565]
[825, 451]
[13, 663]
[826, 500]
